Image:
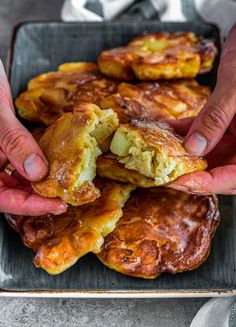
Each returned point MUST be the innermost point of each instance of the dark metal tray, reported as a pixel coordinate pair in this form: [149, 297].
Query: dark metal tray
[40, 47]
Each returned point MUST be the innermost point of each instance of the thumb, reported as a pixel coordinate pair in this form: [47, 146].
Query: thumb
[16, 142]
[214, 119]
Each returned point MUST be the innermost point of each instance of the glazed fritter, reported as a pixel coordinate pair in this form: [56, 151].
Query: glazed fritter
[71, 147]
[79, 67]
[51, 94]
[108, 166]
[68, 76]
[161, 231]
[117, 63]
[159, 56]
[153, 150]
[59, 241]
[157, 100]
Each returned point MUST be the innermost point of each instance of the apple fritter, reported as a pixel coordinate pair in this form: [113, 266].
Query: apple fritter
[71, 147]
[161, 231]
[159, 56]
[157, 100]
[59, 241]
[51, 94]
[79, 67]
[153, 150]
[68, 76]
[108, 166]
[117, 63]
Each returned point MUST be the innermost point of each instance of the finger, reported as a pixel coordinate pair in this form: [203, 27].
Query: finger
[232, 127]
[8, 180]
[5, 94]
[16, 181]
[220, 180]
[213, 120]
[21, 180]
[181, 126]
[19, 202]
[16, 142]
[3, 158]
[232, 192]
[223, 153]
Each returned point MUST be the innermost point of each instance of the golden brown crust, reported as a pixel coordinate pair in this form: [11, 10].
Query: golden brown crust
[51, 94]
[79, 67]
[158, 134]
[59, 241]
[108, 166]
[71, 150]
[68, 76]
[161, 230]
[159, 100]
[117, 63]
[159, 56]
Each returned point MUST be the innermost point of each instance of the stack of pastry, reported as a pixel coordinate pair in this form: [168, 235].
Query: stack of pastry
[111, 157]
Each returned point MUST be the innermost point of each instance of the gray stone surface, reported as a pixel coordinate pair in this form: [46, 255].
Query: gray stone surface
[75, 312]
[95, 313]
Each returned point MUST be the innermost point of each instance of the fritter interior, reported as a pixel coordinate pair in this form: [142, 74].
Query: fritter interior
[108, 166]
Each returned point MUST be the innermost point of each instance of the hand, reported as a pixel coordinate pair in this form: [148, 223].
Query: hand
[219, 178]
[19, 147]
[206, 134]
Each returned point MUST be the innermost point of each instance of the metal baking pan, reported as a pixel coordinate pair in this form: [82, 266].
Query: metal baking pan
[40, 47]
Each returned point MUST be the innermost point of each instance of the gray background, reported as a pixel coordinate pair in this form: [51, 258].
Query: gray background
[73, 312]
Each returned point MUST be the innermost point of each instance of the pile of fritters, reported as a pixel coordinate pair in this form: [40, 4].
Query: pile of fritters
[151, 57]
[110, 154]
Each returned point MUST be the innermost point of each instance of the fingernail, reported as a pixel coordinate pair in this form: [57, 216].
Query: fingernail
[178, 187]
[62, 208]
[35, 167]
[2, 70]
[196, 144]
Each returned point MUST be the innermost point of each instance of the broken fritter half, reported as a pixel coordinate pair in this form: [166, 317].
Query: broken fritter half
[108, 166]
[161, 231]
[159, 56]
[59, 241]
[71, 147]
[153, 150]
[52, 94]
[157, 100]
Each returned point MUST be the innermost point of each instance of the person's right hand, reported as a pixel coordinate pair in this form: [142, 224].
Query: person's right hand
[18, 146]
[206, 134]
